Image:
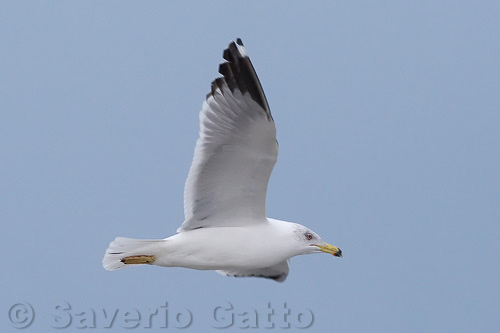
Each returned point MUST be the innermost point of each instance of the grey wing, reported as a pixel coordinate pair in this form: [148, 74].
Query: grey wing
[277, 272]
[236, 150]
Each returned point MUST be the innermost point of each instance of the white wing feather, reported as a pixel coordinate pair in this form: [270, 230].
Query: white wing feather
[277, 272]
[236, 150]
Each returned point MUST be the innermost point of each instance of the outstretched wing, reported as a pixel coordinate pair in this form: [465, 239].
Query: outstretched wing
[277, 272]
[236, 150]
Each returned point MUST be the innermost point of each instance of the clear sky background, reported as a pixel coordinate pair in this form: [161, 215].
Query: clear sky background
[388, 118]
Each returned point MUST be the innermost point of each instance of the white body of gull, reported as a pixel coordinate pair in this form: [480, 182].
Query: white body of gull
[225, 227]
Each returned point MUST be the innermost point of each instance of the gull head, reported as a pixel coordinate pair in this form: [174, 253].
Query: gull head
[311, 242]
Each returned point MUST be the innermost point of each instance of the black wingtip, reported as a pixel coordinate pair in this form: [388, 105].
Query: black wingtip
[239, 73]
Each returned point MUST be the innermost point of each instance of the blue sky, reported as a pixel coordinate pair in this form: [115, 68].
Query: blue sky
[387, 115]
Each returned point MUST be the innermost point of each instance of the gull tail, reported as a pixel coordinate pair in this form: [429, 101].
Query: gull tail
[129, 251]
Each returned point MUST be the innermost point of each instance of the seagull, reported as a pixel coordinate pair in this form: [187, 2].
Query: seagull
[225, 227]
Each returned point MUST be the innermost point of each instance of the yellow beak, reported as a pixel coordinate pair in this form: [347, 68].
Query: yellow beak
[330, 249]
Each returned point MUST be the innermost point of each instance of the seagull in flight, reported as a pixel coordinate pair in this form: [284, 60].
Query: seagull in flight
[225, 227]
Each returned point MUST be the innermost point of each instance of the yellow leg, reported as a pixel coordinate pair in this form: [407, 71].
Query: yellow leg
[138, 260]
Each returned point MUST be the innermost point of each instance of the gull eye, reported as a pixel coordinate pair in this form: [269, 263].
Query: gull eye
[309, 236]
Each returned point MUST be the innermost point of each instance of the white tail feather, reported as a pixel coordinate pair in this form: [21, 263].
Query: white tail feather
[123, 247]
